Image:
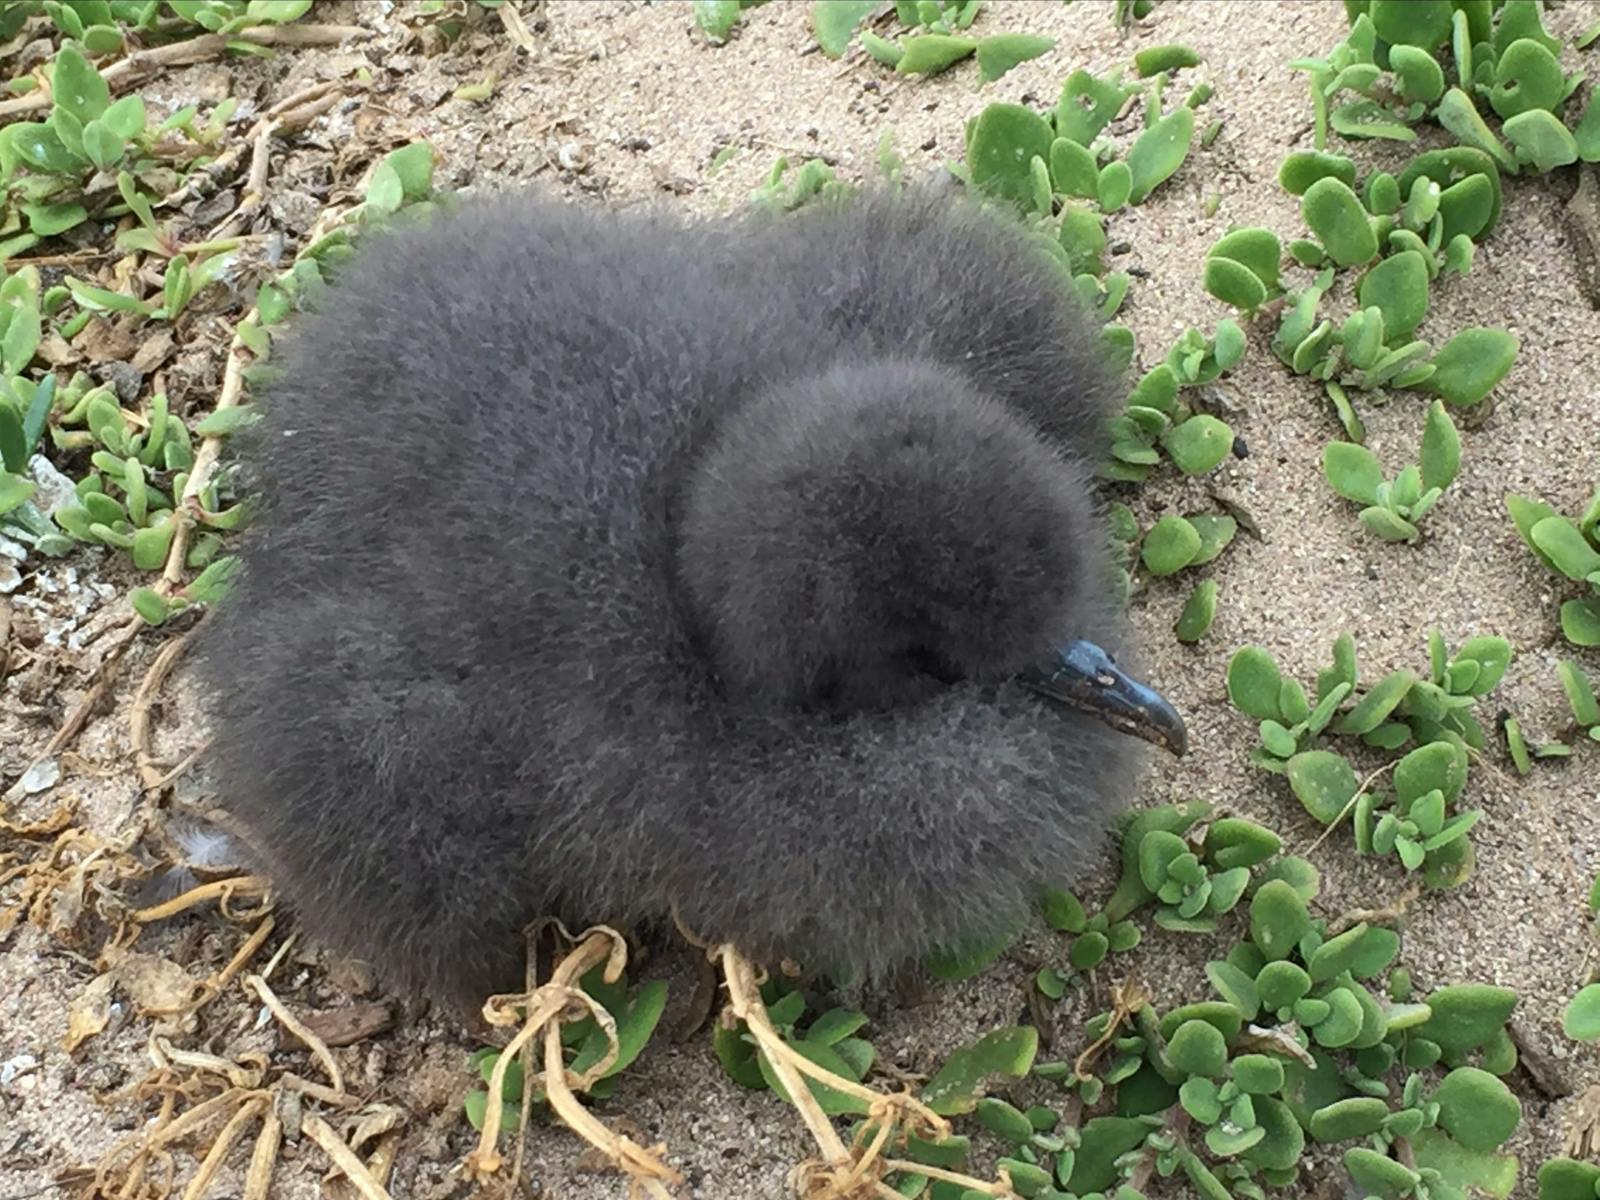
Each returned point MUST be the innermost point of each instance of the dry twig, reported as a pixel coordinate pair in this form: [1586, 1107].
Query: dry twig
[218, 167]
[1127, 999]
[142, 64]
[313, 102]
[1366, 786]
[104, 672]
[140, 728]
[335, 1147]
[297, 1027]
[545, 1009]
[220, 889]
[843, 1173]
[1386, 914]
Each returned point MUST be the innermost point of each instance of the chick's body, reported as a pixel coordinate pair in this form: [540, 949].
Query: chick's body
[564, 599]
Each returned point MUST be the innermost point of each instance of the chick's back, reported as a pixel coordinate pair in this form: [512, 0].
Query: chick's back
[458, 635]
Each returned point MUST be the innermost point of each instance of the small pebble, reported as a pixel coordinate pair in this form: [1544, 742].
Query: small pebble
[55, 490]
[124, 378]
[296, 211]
[212, 210]
[573, 157]
[40, 776]
[12, 1068]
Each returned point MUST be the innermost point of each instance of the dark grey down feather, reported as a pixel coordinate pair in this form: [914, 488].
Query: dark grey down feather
[611, 562]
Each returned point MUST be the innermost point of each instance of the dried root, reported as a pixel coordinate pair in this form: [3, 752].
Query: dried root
[141, 1166]
[1583, 1125]
[221, 890]
[842, 1172]
[80, 876]
[1127, 999]
[544, 1009]
[858, 1171]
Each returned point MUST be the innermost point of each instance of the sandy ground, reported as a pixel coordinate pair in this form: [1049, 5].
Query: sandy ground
[632, 95]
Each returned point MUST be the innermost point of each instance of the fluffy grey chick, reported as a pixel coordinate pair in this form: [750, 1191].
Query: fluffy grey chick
[610, 562]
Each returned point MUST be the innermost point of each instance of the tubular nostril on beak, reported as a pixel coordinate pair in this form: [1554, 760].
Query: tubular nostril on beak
[1084, 676]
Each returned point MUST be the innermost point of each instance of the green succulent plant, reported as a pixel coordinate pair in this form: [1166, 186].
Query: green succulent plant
[1174, 543]
[1406, 62]
[1581, 1022]
[47, 167]
[635, 1010]
[1572, 549]
[130, 468]
[936, 40]
[1158, 422]
[1126, 12]
[1301, 1044]
[138, 463]
[1393, 508]
[1199, 611]
[1358, 354]
[783, 191]
[1096, 935]
[25, 406]
[940, 16]
[1568, 1179]
[716, 18]
[1372, 348]
[1193, 891]
[1242, 268]
[1415, 821]
[94, 21]
[1404, 230]
[1580, 693]
[1031, 160]
[1434, 714]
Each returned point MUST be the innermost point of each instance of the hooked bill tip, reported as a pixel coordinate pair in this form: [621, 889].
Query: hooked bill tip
[1083, 676]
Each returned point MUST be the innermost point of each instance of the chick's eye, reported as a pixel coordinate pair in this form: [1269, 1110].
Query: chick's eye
[926, 661]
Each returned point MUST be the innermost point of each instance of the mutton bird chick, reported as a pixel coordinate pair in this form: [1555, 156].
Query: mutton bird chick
[611, 563]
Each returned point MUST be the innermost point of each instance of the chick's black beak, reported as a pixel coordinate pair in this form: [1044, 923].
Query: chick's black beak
[1083, 675]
